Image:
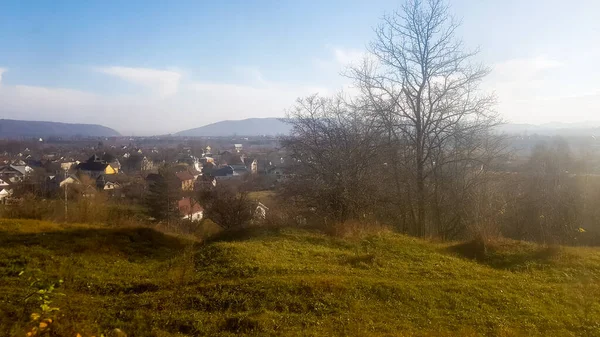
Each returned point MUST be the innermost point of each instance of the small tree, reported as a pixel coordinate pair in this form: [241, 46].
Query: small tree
[163, 194]
[226, 207]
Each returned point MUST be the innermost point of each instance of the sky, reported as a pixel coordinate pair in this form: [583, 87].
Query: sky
[157, 67]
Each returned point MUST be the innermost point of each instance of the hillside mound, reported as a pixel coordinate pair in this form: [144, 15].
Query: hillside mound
[294, 282]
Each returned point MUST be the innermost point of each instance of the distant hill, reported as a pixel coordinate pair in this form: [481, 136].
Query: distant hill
[582, 129]
[10, 128]
[275, 126]
[244, 127]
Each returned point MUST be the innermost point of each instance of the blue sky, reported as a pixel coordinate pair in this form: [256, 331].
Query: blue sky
[146, 67]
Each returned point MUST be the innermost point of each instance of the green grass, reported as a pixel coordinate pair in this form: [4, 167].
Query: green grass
[295, 283]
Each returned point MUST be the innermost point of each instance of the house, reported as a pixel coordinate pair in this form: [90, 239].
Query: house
[72, 179]
[66, 166]
[238, 147]
[192, 161]
[224, 172]
[186, 179]
[147, 164]
[3, 183]
[96, 166]
[207, 152]
[239, 170]
[252, 163]
[14, 173]
[190, 209]
[5, 194]
[260, 212]
[108, 183]
[87, 190]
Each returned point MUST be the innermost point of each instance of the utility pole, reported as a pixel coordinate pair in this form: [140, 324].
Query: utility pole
[66, 194]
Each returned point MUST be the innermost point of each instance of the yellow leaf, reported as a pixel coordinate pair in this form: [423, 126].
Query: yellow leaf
[43, 325]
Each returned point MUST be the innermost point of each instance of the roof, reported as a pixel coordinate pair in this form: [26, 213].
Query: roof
[222, 172]
[19, 168]
[34, 162]
[10, 168]
[239, 167]
[184, 206]
[184, 175]
[114, 178]
[261, 205]
[72, 179]
[248, 161]
[92, 166]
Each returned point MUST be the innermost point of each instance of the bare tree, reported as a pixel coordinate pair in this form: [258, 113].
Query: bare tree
[332, 147]
[421, 85]
[227, 207]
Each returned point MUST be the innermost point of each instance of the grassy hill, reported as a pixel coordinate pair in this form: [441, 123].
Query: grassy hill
[294, 282]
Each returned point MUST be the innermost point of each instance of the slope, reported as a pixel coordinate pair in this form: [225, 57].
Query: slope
[293, 282]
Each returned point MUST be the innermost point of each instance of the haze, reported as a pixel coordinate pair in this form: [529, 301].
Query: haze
[157, 67]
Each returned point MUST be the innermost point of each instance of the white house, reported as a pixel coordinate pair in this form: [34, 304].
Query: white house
[72, 179]
[261, 211]
[4, 195]
[190, 210]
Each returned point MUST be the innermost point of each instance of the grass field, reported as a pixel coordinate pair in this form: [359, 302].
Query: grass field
[292, 282]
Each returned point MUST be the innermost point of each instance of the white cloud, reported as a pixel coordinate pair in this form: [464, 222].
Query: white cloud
[523, 79]
[162, 82]
[195, 103]
[523, 68]
[251, 74]
[541, 89]
[346, 57]
[339, 59]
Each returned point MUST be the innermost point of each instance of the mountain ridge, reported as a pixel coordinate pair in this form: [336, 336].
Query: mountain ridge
[277, 126]
[270, 126]
[14, 128]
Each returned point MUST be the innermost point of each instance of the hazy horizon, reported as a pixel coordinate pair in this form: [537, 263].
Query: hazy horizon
[151, 68]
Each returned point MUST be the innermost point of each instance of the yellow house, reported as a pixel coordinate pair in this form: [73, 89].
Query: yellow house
[96, 166]
[111, 170]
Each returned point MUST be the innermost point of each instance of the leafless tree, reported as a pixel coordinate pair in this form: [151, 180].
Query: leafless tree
[423, 88]
[332, 147]
[227, 207]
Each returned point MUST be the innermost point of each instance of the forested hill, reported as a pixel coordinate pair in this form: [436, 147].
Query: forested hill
[244, 127]
[10, 128]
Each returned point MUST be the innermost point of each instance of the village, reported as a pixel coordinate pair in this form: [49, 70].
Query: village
[123, 170]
